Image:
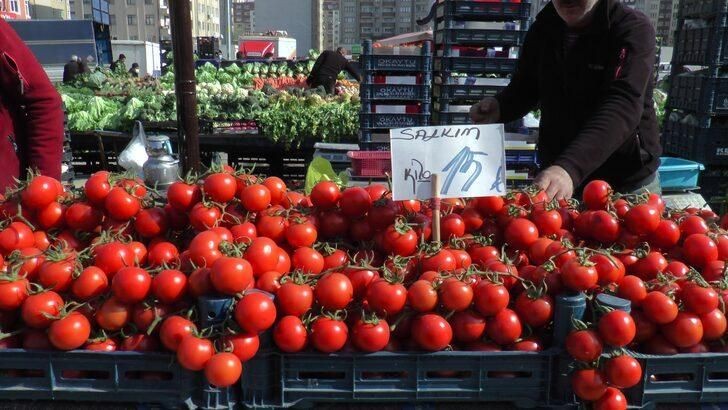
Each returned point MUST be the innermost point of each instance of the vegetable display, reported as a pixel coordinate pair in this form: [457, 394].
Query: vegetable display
[116, 266]
[103, 100]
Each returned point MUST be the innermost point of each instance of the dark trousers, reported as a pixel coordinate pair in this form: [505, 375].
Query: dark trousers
[329, 83]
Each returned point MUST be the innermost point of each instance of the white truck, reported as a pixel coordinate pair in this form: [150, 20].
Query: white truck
[145, 53]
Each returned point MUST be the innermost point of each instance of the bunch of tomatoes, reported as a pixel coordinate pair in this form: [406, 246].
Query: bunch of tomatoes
[116, 266]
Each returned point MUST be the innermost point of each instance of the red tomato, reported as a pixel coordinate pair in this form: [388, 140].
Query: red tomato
[490, 298]
[633, 289]
[277, 189]
[329, 335]
[699, 300]
[97, 187]
[603, 227]
[255, 312]
[204, 217]
[504, 328]
[584, 345]
[473, 220]
[169, 286]
[609, 269]
[300, 235]
[467, 326]
[223, 370]
[521, 233]
[355, 202]
[699, 250]
[57, 276]
[617, 328]
[382, 214]
[714, 325]
[173, 330]
[131, 285]
[623, 371]
[334, 291]
[648, 267]
[596, 194]
[255, 198]
[588, 384]
[262, 255]
[120, 205]
[642, 219]
[290, 335]
[182, 196]
[50, 216]
[244, 346]
[269, 282]
[325, 195]
[12, 293]
[548, 222]
[193, 353]
[370, 336]
[231, 276]
[535, 312]
[400, 240]
[294, 299]
[70, 332]
[455, 295]
[38, 310]
[431, 332]
[113, 315]
[112, 256]
[220, 187]
[579, 277]
[677, 269]
[422, 296]
[489, 205]
[693, 224]
[452, 226]
[199, 282]
[442, 261]
[273, 227]
[90, 283]
[659, 308]
[386, 299]
[612, 399]
[685, 331]
[39, 192]
[665, 236]
[15, 237]
[152, 222]
[308, 260]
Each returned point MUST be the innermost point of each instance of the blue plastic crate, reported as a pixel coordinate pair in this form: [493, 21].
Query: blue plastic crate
[479, 65]
[482, 11]
[122, 377]
[525, 158]
[705, 95]
[677, 174]
[395, 92]
[478, 37]
[283, 380]
[396, 63]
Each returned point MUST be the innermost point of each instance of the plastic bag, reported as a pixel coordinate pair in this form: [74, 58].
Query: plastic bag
[133, 157]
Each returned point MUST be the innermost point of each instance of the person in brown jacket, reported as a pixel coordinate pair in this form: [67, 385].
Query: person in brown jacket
[587, 64]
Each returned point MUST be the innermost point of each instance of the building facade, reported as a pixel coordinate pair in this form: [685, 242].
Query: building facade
[49, 9]
[243, 18]
[667, 21]
[376, 19]
[296, 17]
[205, 18]
[327, 27]
[14, 9]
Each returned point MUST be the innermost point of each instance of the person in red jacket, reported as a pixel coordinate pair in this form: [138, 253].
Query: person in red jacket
[31, 113]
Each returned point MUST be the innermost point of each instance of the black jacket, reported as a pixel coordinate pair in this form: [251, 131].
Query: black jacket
[70, 71]
[597, 114]
[329, 64]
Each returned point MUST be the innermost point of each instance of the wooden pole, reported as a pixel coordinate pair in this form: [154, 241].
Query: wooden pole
[184, 74]
[435, 207]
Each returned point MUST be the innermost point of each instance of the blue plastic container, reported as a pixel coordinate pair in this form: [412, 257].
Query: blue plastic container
[677, 174]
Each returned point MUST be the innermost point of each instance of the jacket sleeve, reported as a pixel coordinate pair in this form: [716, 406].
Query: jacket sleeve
[521, 94]
[317, 65]
[353, 71]
[42, 127]
[619, 113]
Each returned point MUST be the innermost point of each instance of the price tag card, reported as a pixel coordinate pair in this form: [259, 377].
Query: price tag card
[470, 159]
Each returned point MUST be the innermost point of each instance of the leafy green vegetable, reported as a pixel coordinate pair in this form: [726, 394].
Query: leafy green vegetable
[319, 170]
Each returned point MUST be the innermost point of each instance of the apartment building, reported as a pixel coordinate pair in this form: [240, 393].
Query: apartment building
[327, 27]
[375, 19]
[243, 18]
[49, 9]
[14, 9]
[667, 21]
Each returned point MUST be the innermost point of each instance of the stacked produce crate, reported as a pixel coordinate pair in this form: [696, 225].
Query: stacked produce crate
[395, 93]
[475, 53]
[696, 124]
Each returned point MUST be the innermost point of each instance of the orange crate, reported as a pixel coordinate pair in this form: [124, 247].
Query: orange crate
[370, 163]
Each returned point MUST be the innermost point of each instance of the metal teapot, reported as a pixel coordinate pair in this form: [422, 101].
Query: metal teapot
[161, 169]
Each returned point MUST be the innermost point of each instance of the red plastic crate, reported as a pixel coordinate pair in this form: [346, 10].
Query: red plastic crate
[370, 163]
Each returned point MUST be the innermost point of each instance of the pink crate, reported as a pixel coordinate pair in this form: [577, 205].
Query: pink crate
[370, 163]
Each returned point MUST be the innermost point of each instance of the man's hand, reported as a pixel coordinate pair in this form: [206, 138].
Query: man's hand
[487, 111]
[556, 182]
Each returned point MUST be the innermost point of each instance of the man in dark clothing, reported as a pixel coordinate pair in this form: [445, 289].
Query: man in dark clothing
[327, 68]
[588, 65]
[134, 70]
[119, 65]
[71, 70]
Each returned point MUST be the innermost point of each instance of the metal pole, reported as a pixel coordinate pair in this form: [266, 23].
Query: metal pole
[229, 30]
[184, 74]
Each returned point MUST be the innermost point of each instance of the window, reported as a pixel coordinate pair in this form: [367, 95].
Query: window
[131, 2]
[149, 19]
[131, 20]
[112, 19]
[404, 19]
[87, 16]
[27, 6]
[405, 9]
[149, 2]
[14, 7]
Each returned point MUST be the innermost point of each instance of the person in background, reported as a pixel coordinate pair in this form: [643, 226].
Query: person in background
[134, 70]
[31, 113]
[218, 55]
[327, 68]
[86, 64]
[119, 65]
[240, 56]
[71, 69]
[587, 64]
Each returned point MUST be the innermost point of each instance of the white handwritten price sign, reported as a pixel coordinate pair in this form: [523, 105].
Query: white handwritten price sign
[470, 161]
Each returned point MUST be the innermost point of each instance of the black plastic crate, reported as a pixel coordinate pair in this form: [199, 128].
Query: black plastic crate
[495, 65]
[681, 378]
[123, 377]
[702, 46]
[457, 92]
[704, 95]
[451, 118]
[496, 38]
[378, 120]
[707, 145]
[702, 8]
[396, 92]
[306, 379]
[482, 11]
[714, 183]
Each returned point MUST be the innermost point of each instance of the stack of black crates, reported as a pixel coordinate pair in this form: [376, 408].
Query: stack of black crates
[476, 46]
[696, 122]
[395, 92]
[465, 58]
